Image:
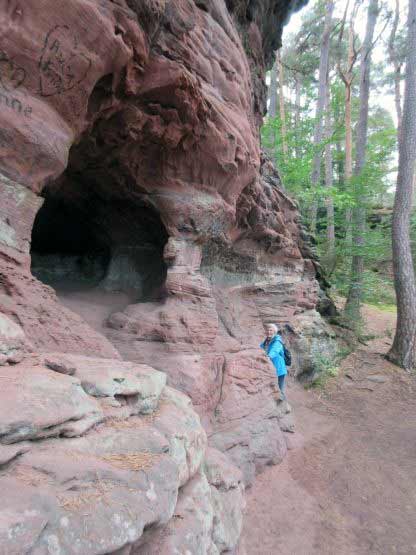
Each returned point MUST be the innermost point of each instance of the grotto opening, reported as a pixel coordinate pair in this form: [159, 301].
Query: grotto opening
[100, 251]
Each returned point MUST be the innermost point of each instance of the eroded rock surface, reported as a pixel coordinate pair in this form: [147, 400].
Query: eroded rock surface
[139, 120]
[208, 516]
[99, 491]
[130, 162]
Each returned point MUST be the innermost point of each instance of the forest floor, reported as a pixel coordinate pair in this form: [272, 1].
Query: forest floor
[348, 484]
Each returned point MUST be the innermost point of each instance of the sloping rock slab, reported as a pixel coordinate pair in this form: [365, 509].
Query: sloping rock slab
[139, 384]
[69, 502]
[37, 402]
[98, 493]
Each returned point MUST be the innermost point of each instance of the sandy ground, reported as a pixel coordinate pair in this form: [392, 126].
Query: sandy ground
[93, 304]
[348, 485]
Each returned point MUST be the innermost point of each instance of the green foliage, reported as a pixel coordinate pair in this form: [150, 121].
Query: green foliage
[326, 373]
[377, 287]
[327, 367]
[295, 171]
[372, 189]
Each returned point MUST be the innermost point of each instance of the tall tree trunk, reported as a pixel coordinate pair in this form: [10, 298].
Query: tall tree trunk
[297, 113]
[282, 106]
[348, 78]
[403, 351]
[271, 112]
[273, 92]
[339, 145]
[353, 304]
[397, 68]
[330, 224]
[320, 104]
[348, 131]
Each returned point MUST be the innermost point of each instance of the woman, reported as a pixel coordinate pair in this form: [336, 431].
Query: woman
[273, 347]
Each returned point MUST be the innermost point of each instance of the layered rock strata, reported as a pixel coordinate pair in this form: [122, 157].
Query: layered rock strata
[122, 462]
[130, 161]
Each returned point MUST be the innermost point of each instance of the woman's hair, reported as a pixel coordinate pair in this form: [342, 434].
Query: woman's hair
[273, 326]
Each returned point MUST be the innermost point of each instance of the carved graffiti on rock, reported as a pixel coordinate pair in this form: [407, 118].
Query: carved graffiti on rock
[76, 102]
[63, 65]
[12, 76]
[14, 104]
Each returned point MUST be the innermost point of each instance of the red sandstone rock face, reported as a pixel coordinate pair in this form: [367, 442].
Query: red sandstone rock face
[183, 100]
[141, 118]
[161, 106]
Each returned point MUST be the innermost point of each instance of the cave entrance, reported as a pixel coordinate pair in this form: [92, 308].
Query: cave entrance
[99, 251]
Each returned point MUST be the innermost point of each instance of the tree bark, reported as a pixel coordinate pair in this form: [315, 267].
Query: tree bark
[347, 77]
[297, 112]
[330, 223]
[273, 92]
[271, 112]
[353, 304]
[320, 104]
[282, 106]
[403, 351]
[397, 69]
[339, 145]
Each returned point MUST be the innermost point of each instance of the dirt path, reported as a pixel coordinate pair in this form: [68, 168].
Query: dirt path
[93, 304]
[349, 484]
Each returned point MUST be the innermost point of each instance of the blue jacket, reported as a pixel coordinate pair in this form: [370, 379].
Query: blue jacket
[276, 354]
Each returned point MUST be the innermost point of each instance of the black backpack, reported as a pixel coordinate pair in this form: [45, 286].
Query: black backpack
[287, 355]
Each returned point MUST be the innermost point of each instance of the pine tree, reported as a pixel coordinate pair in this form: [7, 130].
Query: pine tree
[354, 299]
[403, 351]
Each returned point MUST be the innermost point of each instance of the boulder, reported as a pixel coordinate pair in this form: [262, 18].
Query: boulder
[37, 403]
[208, 516]
[136, 385]
[247, 418]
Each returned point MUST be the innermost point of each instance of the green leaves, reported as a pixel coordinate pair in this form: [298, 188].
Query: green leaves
[373, 189]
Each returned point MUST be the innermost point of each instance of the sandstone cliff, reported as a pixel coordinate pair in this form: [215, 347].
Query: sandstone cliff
[130, 165]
